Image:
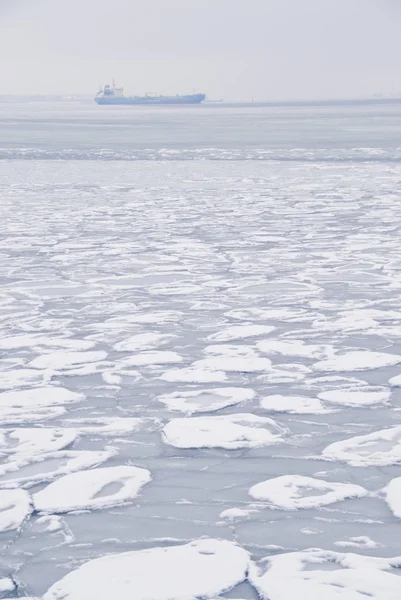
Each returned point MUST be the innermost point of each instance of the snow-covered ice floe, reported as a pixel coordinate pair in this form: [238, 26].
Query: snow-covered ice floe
[395, 381]
[110, 426]
[30, 470]
[61, 359]
[241, 430]
[249, 363]
[238, 332]
[293, 404]
[83, 490]
[6, 585]
[194, 375]
[357, 397]
[15, 507]
[206, 400]
[358, 360]
[27, 340]
[201, 569]
[15, 378]
[393, 496]
[378, 449]
[295, 348]
[142, 341]
[321, 575]
[39, 397]
[291, 492]
[149, 358]
[30, 441]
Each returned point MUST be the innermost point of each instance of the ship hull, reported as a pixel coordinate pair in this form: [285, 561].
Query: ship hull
[133, 100]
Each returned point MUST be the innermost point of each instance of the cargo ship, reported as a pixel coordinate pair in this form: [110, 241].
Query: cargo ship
[110, 94]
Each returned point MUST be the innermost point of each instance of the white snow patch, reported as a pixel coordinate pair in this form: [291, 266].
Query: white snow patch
[20, 416]
[238, 332]
[15, 378]
[290, 492]
[378, 449]
[201, 569]
[293, 404]
[364, 397]
[81, 490]
[15, 507]
[231, 514]
[48, 466]
[295, 348]
[227, 431]
[29, 441]
[51, 523]
[194, 375]
[152, 358]
[111, 378]
[358, 360]
[395, 381]
[61, 359]
[230, 350]
[142, 341]
[38, 398]
[206, 400]
[341, 576]
[393, 496]
[240, 364]
[6, 584]
[110, 426]
[264, 314]
[32, 340]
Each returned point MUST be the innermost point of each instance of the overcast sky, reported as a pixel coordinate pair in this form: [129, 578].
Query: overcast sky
[231, 49]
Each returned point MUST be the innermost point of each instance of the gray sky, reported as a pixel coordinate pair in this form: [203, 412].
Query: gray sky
[232, 49]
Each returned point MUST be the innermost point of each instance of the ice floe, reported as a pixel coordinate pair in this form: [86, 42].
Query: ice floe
[110, 426]
[32, 340]
[194, 375]
[291, 492]
[393, 496]
[358, 360]
[201, 569]
[395, 381]
[30, 441]
[322, 575]
[152, 358]
[142, 341]
[238, 332]
[20, 416]
[379, 449]
[241, 430]
[29, 470]
[206, 400]
[61, 359]
[15, 378]
[83, 490]
[248, 363]
[231, 514]
[354, 398]
[293, 404]
[295, 348]
[6, 585]
[264, 314]
[15, 507]
[40, 397]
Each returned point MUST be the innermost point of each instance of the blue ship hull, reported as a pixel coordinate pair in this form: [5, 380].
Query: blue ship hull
[112, 99]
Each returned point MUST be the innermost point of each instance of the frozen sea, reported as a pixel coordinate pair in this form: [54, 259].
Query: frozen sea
[200, 352]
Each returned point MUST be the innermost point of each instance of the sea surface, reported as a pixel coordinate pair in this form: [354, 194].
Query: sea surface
[203, 305]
